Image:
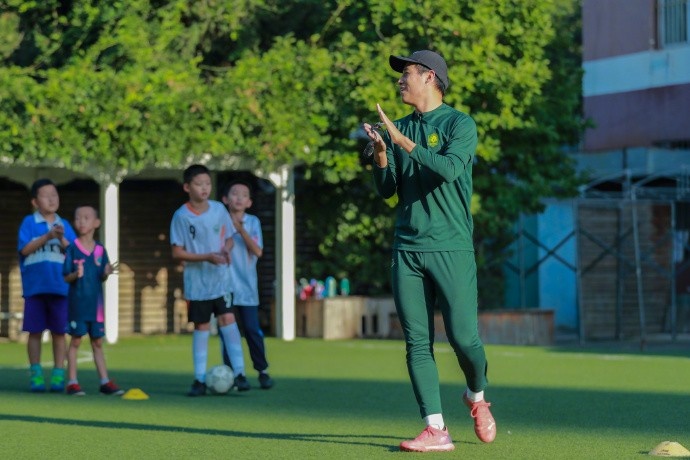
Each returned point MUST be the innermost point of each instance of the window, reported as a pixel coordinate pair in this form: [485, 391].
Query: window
[673, 22]
[676, 144]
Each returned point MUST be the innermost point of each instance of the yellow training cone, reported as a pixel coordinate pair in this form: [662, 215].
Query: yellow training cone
[670, 449]
[135, 394]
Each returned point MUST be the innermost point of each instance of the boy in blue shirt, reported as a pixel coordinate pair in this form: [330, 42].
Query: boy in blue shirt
[43, 237]
[86, 267]
[201, 237]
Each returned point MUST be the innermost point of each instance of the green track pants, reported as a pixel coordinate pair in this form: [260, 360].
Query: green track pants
[421, 281]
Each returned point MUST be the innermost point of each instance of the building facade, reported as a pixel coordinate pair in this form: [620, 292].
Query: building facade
[636, 88]
[613, 263]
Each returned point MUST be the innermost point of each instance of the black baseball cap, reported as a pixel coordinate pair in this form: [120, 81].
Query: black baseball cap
[428, 59]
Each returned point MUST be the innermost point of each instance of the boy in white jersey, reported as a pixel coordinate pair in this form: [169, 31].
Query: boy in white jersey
[247, 249]
[201, 236]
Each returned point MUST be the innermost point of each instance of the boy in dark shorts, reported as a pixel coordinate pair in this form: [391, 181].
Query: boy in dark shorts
[201, 236]
[43, 237]
[86, 267]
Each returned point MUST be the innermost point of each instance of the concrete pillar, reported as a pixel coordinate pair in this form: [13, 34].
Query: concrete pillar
[283, 180]
[110, 228]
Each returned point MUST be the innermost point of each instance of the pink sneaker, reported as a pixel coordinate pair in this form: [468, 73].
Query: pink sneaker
[430, 440]
[484, 423]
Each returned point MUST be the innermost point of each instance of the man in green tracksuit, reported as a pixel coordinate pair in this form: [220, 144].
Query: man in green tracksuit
[426, 158]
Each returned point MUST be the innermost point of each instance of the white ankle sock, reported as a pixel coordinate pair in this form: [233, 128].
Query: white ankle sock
[435, 420]
[233, 345]
[200, 354]
[475, 397]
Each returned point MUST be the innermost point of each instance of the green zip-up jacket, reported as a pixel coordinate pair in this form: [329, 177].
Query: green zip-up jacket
[433, 182]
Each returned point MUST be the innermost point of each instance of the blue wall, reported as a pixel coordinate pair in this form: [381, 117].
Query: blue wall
[558, 282]
[548, 283]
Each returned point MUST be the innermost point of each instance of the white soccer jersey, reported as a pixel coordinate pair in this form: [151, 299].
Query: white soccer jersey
[243, 266]
[202, 234]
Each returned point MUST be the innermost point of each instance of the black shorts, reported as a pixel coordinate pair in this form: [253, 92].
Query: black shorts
[200, 311]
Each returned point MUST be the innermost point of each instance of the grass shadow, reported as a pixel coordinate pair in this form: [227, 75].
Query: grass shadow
[315, 437]
[678, 348]
[533, 407]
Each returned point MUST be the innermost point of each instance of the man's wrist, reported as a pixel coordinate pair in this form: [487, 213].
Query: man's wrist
[407, 145]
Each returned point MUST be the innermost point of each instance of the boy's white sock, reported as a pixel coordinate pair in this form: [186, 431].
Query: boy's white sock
[200, 354]
[233, 345]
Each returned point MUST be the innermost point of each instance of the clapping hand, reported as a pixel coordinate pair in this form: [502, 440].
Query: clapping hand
[113, 267]
[56, 231]
[219, 258]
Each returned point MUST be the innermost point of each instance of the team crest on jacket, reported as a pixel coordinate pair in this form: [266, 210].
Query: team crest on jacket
[432, 140]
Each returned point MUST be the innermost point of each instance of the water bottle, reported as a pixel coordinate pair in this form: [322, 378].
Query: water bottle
[330, 287]
[319, 289]
[344, 286]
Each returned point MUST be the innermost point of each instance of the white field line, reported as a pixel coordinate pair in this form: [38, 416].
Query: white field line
[83, 357]
[445, 348]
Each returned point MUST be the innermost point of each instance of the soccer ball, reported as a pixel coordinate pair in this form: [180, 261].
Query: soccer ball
[219, 379]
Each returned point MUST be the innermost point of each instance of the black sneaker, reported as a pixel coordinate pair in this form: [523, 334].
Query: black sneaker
[198, 389]
[265, 380]
[111, 389]
[241, 383]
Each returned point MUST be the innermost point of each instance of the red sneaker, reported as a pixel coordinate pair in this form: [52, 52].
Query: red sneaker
[430, 440]
[484, 423]
[73, 389]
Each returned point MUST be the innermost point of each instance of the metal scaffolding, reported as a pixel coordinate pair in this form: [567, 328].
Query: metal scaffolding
[630, 231]
[654, 212]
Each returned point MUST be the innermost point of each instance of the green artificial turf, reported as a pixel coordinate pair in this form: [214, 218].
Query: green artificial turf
[350, 399]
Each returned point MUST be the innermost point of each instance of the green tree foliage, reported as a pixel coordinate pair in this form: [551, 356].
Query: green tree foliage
[514, 67]
[109, 88]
